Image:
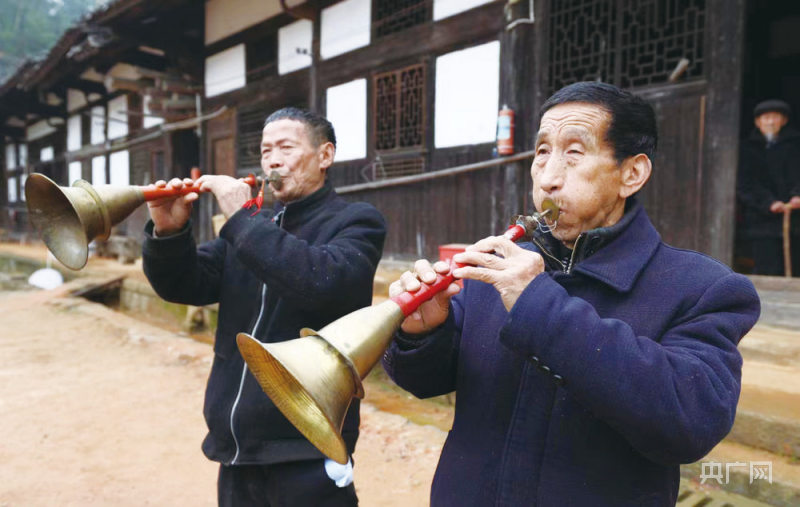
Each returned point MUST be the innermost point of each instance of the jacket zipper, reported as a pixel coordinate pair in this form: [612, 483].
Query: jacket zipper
[574, 251]
[278, 217]
[547, 252]
[568, 268]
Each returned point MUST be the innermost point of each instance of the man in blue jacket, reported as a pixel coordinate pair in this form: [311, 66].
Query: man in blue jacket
[592, 362]
[273, 272]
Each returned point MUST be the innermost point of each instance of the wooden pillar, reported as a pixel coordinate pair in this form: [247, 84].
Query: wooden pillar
[518, 71]
[724, 41]
[3, 184]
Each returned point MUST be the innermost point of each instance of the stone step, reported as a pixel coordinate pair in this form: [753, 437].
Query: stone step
[768, 414]
[780, 300]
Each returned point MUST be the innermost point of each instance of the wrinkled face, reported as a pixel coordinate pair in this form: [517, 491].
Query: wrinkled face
[575, 167]
[771, 123]
[287, 148]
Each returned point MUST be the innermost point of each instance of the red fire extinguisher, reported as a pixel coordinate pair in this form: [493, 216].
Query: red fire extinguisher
[505, 131]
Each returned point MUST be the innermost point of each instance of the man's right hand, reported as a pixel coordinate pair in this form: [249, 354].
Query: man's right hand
[430, 314]
[170, 214]
[777, 207]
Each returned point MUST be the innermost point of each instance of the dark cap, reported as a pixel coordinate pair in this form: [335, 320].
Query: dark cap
[770, 106]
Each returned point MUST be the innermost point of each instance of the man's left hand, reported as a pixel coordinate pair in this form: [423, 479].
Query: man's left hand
[231, 194]
[510, 271]
[794, 202]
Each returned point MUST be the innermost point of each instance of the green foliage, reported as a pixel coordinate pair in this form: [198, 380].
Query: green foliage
[29, 28]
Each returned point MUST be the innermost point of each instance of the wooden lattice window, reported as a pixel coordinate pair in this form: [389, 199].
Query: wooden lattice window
[399, 109]
[397, 15]
[629, 43]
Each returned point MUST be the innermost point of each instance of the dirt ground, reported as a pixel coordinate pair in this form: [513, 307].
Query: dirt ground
[98, 408]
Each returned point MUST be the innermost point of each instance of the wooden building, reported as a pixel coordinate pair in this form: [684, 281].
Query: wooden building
[413, 87]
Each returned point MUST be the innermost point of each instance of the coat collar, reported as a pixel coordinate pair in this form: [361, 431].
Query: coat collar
[299, 210]
[614, 255]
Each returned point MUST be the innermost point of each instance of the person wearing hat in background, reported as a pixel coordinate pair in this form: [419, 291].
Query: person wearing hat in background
[769, 179]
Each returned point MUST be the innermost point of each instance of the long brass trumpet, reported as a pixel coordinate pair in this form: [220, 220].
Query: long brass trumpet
[313, 379]
[69, 218]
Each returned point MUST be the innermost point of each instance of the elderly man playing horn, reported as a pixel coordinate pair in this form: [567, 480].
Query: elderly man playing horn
[306, 263]
[592, 362]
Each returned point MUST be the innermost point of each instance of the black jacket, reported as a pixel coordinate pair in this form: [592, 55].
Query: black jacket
[272, 274]
[767, 175]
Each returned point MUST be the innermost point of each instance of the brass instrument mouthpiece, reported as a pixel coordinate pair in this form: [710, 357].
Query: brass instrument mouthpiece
[274, 178]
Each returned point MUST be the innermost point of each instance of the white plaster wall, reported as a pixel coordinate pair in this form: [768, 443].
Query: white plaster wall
[75, 99]
[446, 8]
[46, 154]
[98, 121]
[11, 156]
[120, 168]
[23, 155]
[12, 189]
[117, 119]
[227, 17]
[74, 133]
[292, 37]
[75, 172]
[150, 121]
[345, 26]
[225, 71]
[98, 170]
[347, 111]
[39, 130]
[467, 95]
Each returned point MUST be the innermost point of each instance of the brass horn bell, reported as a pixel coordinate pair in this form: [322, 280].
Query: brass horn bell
[312, 379]
[69, 218]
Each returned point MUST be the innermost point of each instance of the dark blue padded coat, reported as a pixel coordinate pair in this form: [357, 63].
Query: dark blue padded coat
[609, 372]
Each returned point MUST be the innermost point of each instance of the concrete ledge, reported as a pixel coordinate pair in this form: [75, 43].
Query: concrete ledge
[778, 436]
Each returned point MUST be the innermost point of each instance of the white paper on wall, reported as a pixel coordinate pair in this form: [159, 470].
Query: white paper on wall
[467, 95]
[225, 71]
[227, 17]
[345, 26]
[75, 172]
[294, 46]
[74, 133]
[446, 8]
[150, 121]
[46, 154]
[11, 156]
[117, 117]
[120, 168]
[98, 124]
[99, 171]
[12, 189]
[347, 111]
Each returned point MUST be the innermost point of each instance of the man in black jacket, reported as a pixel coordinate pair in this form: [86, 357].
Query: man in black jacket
[273, 272]
[769, 178]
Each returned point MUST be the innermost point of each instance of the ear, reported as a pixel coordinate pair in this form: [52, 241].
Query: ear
[326, 152]
[635, 173]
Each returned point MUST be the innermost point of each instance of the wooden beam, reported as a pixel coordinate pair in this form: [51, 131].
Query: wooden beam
[84, 85]
[144, 60]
